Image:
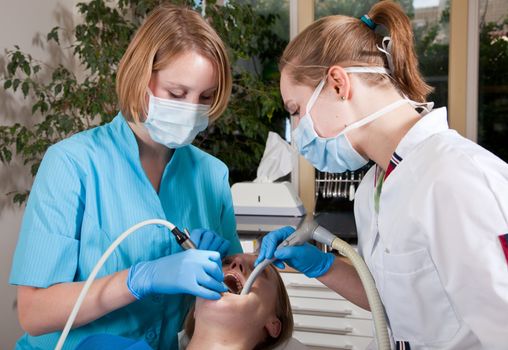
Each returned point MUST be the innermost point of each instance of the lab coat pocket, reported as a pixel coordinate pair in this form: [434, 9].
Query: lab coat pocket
[415, 301]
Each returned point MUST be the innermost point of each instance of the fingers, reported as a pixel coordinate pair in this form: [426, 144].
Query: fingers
[207, 239]
[271, 241]
[279, 264]
[216, 243]
[214, 268]
[286, 253]
[204, 293]
[196, 235]
[210, 283]
[224, 248]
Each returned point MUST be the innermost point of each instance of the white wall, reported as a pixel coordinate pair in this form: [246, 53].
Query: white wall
[24, 23]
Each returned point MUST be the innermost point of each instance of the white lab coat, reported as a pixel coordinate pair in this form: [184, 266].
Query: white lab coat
[434, 249]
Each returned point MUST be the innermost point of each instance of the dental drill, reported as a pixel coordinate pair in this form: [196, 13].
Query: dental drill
[182, 238]
[312, 230]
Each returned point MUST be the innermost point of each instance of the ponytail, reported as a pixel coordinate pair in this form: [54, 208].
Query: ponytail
[347, 41]
[405, 63]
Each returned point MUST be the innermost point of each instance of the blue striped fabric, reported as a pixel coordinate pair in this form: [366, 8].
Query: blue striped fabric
[89, 189]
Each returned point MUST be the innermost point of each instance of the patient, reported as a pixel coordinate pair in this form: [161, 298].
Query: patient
[261, 319]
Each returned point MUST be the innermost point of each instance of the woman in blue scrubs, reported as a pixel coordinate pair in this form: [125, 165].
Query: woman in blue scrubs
[172, 81]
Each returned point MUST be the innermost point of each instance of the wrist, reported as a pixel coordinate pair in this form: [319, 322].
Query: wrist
[136, 283]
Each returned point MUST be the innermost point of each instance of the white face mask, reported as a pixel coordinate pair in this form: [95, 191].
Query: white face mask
[173, 123]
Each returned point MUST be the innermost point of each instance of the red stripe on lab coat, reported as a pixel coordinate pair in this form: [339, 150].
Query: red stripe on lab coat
[504, 244]
[390, 168]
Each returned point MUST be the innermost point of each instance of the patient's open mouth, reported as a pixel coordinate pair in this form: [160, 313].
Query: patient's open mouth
[233, 282]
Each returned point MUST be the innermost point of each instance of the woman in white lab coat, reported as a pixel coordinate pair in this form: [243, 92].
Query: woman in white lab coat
[431, 214]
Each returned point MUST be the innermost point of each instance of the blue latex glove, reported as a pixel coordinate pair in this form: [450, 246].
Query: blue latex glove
[305, 258]
[194, 271]
[208, 240]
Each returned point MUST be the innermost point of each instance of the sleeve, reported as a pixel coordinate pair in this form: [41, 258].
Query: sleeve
[48, 243]
[468, 217]
[228, 220]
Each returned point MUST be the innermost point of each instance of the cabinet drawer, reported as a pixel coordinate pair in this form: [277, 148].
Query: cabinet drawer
[328, 307]
[298, 284]
[315, 341]
[333, 325]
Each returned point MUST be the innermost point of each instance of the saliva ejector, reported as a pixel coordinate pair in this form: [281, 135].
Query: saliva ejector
[310, 229]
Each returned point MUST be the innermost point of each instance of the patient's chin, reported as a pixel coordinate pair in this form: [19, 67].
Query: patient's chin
[232, 311]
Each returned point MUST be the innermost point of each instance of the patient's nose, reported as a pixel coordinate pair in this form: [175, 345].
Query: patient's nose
[241, 264]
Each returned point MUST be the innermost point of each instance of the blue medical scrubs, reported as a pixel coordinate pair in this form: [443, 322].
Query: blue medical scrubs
[89, 189]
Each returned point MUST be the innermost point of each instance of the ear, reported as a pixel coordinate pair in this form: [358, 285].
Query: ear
[339, 81]
[273, 326]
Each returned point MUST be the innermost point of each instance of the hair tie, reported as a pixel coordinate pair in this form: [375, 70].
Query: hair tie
[368, 22]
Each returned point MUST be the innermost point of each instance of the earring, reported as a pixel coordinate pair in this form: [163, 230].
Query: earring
[343, 98]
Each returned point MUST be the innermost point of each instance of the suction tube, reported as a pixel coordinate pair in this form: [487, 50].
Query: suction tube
[311, 230]
[376, 306]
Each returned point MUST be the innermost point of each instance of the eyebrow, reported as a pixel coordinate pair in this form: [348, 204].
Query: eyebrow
[185, 87]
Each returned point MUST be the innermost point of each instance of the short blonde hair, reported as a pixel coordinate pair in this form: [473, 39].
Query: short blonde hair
[167, 32]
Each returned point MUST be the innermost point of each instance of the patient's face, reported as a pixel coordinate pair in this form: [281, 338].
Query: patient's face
[233, 310]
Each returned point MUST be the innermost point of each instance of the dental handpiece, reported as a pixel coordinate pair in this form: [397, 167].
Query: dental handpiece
[184, 240]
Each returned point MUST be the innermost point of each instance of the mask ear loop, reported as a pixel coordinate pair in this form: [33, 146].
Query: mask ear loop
[315, 96]
[386, 48]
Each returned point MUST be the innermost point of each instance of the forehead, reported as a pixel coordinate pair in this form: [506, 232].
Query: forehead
[291, 90]
[189, 68]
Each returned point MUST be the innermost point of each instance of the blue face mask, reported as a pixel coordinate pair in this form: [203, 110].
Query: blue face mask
[335, 154]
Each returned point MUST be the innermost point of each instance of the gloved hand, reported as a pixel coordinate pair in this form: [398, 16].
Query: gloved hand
[208, 240]
[305, 258]
[193, 271]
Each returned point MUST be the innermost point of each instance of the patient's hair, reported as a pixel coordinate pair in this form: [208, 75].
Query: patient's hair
[282, 311]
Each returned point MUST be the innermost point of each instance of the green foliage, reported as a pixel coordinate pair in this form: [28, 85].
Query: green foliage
[65, 105]
[493, 89]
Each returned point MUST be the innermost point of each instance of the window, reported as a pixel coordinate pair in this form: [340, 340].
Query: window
[493, 77]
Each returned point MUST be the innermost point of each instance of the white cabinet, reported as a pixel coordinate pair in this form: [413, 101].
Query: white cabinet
[325, 320]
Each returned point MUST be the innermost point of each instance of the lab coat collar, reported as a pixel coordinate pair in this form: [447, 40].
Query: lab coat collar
[430, 124]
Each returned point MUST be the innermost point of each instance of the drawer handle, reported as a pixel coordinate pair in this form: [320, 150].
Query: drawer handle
[314, 346]
[324, 330]
[313, 312]
[307, 286]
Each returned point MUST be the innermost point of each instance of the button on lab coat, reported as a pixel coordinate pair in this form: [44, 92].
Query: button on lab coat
[434, 248]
